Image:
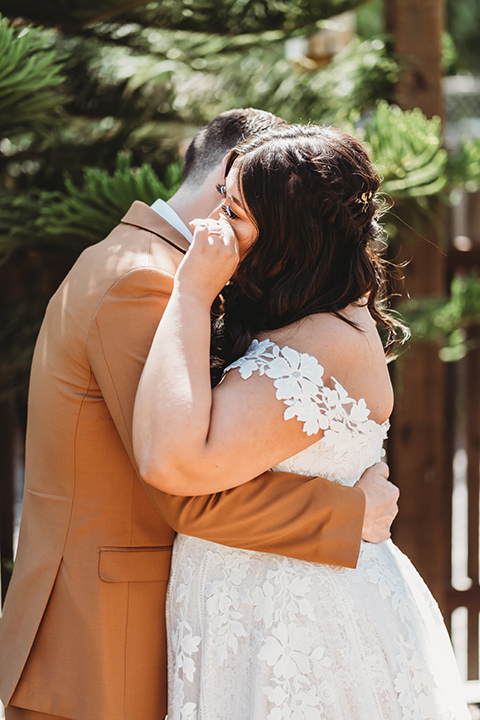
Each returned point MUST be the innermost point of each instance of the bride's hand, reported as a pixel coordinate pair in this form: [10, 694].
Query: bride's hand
[211, 260]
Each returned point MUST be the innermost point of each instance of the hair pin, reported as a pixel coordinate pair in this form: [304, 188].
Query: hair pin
[364, 198]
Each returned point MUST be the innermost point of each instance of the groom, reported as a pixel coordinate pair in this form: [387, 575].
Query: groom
[83, 634]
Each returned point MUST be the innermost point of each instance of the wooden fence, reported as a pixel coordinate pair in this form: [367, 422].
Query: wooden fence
[462, 599]
[463, 595]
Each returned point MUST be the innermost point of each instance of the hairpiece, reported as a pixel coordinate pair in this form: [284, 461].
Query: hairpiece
[364, 199]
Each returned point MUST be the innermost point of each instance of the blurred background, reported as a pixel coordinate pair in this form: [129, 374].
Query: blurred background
[98, 100]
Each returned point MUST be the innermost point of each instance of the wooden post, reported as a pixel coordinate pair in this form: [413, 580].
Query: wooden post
[418, 451]
[472, 397]
[416, 28]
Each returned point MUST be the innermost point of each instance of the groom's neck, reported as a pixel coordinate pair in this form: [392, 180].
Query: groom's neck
[197, 201]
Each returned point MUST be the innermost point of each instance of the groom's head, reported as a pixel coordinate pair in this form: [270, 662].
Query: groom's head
[213, 142]
[205, 159]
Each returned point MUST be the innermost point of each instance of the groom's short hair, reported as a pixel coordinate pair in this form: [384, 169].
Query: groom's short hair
[215, 140]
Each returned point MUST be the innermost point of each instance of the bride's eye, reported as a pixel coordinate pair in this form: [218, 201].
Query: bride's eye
[221, 189]
[229, 212]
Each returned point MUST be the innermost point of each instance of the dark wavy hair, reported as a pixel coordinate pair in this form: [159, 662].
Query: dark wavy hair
[310, 191]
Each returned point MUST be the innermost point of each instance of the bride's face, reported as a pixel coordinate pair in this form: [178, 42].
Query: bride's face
[233, 210]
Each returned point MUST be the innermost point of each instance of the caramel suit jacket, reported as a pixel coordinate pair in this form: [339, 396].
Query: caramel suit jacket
[83, 631]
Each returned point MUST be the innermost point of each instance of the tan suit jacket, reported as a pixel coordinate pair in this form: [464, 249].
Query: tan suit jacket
[83, 632]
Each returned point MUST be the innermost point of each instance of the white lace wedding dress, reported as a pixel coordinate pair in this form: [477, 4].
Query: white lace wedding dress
[263, 637]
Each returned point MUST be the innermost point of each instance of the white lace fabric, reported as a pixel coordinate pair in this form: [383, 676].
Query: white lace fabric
[351, 440]
[254, 636]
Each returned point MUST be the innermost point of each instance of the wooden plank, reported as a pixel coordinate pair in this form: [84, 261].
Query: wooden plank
[417, 456]
[472, 645]
[451, 391]
[410, 22]
[465, 261]
[464, 598]
[472, 361]
[417, 451]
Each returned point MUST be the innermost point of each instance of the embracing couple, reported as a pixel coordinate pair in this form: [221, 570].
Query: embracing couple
[286, 598]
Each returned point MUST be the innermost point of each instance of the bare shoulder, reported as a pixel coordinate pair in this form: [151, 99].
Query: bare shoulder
[353, 355]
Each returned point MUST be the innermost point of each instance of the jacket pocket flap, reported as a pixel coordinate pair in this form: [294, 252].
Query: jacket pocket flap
[134, 564]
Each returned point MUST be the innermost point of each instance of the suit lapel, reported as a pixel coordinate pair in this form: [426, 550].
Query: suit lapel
[142, 216]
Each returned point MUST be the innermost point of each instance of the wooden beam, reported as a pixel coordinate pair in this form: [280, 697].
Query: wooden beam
[416, 28]
[419, 452]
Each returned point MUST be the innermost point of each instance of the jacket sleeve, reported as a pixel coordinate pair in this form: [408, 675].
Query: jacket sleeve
[282, 513]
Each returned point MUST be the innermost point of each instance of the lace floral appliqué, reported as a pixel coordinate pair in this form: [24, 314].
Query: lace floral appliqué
[299, 382]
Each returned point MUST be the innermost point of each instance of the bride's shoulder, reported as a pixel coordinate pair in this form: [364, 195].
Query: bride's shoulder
[332, 340]
[352, 354]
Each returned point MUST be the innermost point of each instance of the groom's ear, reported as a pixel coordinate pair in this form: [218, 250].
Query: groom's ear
[224, 163]
[218, 174]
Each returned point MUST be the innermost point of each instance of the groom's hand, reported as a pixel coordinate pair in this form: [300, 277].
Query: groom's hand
[381, 503]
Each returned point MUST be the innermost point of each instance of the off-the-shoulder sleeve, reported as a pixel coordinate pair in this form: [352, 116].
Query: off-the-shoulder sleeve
[299, 380]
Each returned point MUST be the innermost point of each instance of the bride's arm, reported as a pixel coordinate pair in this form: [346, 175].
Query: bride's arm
[187, 439]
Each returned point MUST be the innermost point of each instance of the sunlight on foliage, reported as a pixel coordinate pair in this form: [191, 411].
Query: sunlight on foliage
[225, 17]
[30, 75]
[445, 320]
[407, 149]
[82, 215]
[85, 215]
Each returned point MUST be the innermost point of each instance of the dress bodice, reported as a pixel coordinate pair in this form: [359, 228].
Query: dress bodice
[351, 441]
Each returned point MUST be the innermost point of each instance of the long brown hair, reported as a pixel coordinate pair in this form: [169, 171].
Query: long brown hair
[310, 192]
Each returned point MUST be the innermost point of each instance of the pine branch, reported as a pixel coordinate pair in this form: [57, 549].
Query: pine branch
[30, 76]
[68, 14]
[464, 165]
[223, 17]
[18, 216]
[408, 150]
[84, 215]
[445, 320]
[235, 17]
[265, 78]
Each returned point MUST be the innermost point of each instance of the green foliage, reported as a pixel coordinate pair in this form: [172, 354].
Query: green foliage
[264, 77]
[65, 12]
[463, 167]
[445, 320]
[449, 54]
[82, 216]
[215, 16]
[463, 21]
[231, 17]
[30, 75]
[407, 149]
[18, 331]
[18, 215]
[369, 20]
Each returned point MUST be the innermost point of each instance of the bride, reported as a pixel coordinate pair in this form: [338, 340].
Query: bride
[305, 388]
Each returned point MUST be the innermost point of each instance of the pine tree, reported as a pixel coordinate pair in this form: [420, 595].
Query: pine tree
[97, 97]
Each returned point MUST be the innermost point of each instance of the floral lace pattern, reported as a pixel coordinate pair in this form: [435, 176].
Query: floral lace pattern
[351, 440]
[262, 637]
[298, 379]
